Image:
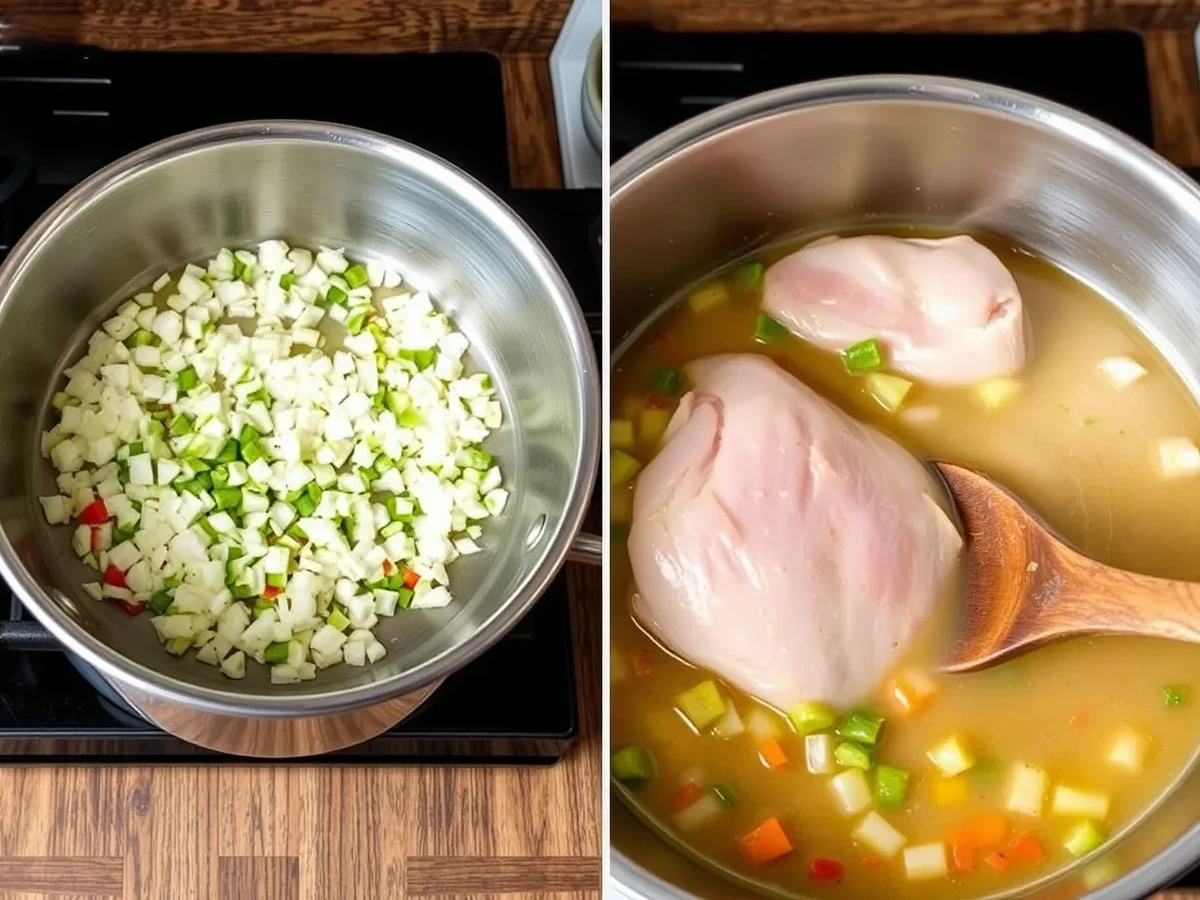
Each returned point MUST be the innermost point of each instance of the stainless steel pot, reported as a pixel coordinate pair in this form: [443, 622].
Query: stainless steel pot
[590, 99]
[309, 183]
[912, 150]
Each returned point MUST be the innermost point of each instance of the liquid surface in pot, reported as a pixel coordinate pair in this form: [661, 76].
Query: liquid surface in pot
[1114, 719]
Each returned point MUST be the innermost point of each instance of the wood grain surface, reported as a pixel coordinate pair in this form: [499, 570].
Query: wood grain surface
[317, 833]
[907, 15]
[1174, 95]
[521, 32]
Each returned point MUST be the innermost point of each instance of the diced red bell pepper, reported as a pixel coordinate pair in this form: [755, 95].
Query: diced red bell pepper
[657, 401]
[388, 567]
[686, 795]
[114, 576]
[132, 608]
[270, 592]
[411, 578]
[95, 513]
[825, 870]
[640, 663]
[97, 539]
[871, 863]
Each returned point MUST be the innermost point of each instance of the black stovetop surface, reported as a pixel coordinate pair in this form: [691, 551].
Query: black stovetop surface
[660, 79]
[64, 112]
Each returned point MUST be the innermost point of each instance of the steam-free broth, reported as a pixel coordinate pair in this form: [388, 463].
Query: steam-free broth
[1085, 454]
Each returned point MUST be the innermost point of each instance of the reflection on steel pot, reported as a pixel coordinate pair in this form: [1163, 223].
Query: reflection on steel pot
[311, 184]
[902, 150]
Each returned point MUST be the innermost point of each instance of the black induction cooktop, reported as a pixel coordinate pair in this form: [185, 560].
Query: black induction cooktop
[660, 79]
[65, 112]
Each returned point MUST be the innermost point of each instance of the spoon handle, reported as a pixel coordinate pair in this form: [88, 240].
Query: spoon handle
[1099, 599]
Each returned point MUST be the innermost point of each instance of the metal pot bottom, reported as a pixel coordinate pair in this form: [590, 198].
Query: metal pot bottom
[269, 736]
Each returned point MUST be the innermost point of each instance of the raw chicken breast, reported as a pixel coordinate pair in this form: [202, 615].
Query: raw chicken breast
[782, 544]
[946, 310]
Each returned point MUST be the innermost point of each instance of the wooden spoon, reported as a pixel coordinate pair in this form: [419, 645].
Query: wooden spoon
[1025, 586]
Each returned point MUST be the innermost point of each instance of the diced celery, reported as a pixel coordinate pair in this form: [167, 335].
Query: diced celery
[622, 467]
[632, 765]
[749, 276]
[860, 725]
[809, 718]
[653, 424]
[1082, 839]
[702, 704]
[888, 390]
[852, 755]
[891, 785]
[767, 330]
[621, 435]
[708, 297]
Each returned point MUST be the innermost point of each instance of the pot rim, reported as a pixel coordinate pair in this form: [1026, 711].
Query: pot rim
[631, 880]
[518, 235]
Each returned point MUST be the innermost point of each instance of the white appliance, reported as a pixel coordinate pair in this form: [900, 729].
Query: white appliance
[568, 67]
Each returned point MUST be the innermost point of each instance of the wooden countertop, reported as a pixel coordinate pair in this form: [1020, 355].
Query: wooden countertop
[520, 32]
[321, 833]
[1167, 28]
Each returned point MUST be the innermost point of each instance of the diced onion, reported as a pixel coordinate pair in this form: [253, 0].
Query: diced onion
[1069, 801]
[879, 835]
[246, 474]
[1121, 371]
[1026, 789]
[1178, 457]
[851, 791]
[925, 861]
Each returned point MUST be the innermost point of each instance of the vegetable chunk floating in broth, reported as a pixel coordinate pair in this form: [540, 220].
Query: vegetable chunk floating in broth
[788, 574]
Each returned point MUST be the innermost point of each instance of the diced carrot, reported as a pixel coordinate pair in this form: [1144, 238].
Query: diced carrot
[388, 567]
[984, 831]
[270, 592]
[411, 578]
[962, 853]
[640, 663]
[765, 843]
[998, 861]
[910, 691]
[687, 795]
[772, 755]
[871, 863]
[1026, 848]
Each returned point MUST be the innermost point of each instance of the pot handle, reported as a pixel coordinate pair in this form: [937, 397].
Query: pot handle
[586, 548]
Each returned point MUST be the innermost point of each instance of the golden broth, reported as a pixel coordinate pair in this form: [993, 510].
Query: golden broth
[1081, 452]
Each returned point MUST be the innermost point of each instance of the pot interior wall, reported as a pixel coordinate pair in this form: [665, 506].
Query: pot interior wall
[310, 187]
[861, 153]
